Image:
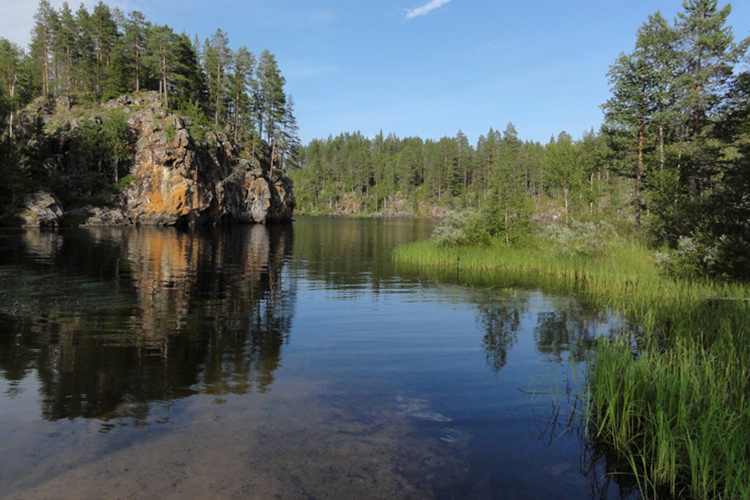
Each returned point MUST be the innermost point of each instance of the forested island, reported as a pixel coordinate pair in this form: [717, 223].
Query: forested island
[108, 111]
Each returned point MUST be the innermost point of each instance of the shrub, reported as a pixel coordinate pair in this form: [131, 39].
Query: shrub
[700, 256]
[581, 238]
[455, 229]
[123, 183]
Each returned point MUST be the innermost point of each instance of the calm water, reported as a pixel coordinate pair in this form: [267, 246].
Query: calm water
[282, 362]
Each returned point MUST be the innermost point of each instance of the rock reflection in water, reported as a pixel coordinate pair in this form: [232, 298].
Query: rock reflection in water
[150, 314]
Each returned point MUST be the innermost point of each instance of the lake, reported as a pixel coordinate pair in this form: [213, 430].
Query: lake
[290, 362]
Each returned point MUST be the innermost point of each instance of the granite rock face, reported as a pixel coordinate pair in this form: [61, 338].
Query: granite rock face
[180, 180]
[39, 209]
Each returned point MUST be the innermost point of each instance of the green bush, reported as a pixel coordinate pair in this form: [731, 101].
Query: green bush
[581, 238]
[457, 229]
[703, 256]
[123, 183]
[481, 228]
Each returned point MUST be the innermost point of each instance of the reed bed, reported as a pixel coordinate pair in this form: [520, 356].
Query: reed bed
[671, 398]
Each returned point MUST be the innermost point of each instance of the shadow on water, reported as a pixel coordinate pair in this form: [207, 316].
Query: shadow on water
[145, 314]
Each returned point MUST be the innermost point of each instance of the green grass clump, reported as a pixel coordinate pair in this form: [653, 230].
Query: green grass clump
[672, 400]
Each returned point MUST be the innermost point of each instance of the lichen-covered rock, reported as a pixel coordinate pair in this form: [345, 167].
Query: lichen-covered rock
[40, 209]
[178, 182]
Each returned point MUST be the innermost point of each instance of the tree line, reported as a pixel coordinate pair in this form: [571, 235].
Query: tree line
[89, 57]
[500, 168]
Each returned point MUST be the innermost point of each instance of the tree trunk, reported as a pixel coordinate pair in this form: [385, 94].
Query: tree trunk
[12, 108]
[164, 74]
[137, 68]
[638, 175]
[218, 93]
[661, 147]
[46, 66]
[236, 114]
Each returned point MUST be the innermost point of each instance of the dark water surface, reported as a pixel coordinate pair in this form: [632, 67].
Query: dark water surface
[282, 362]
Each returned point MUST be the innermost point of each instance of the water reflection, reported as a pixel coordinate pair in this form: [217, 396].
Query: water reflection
[562, 327]
[149, 314]
[353, 254]
[499, 317]
[364, 383]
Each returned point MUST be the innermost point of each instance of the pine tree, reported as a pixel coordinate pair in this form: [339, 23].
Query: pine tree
[642, 99]
[241, 82]
[708, 56]
[42, 42]
[65, 49]
[11, 57]
[104, 36]
[162, 58]
[216, 60]
[136, 32]
[270, 99]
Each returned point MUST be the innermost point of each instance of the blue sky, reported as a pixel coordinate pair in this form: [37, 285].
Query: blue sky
[421, 67]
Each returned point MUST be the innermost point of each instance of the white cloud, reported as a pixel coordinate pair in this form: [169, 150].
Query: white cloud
[425, 9]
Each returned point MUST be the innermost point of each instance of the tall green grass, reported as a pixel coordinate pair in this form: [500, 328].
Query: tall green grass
[673, 403]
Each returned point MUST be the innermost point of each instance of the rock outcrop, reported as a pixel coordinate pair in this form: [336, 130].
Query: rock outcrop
[40, 209]
[179, 180]
[181, 173]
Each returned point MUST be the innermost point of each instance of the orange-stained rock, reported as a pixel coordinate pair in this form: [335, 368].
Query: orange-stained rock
[180, 182]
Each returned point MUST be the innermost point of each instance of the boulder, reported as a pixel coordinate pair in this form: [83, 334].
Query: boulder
[39, 209]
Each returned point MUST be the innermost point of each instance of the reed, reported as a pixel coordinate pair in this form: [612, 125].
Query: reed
[670, 398]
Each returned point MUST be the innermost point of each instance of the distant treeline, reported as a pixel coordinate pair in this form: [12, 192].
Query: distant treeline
[452, 172]
[89, 57]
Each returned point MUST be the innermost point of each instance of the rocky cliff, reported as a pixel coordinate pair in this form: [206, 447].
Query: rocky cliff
[178, 174]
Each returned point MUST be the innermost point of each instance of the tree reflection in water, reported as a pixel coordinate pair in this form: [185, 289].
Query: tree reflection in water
[149, 314]
[499, 317]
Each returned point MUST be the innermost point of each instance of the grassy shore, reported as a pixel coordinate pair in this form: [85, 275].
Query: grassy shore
[674, 405]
